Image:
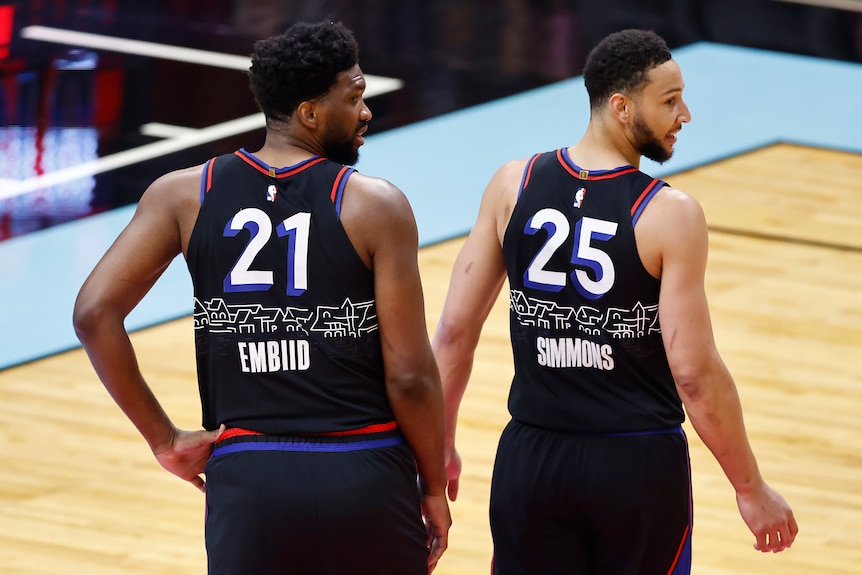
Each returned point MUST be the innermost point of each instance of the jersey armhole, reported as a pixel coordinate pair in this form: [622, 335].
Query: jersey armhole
[338, 187]
[207, 178]
[528, 170]
[644, 198]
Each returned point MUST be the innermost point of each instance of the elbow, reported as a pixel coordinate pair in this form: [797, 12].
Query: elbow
[87, 316]
[690, 387]
[455, 335]
[84, 318]
[702, 381]
[411, 388]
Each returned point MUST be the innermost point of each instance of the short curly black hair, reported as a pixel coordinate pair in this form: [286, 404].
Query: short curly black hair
[621, 62]
[301, 64]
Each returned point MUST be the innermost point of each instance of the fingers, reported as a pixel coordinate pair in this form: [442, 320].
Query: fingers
[452, 489]
[434, 556]
[198, 482]
[439, 543]
[777, 540]
[216, 433]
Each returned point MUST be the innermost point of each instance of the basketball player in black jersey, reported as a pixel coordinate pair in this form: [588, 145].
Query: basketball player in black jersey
[611, 337]
[322, 407]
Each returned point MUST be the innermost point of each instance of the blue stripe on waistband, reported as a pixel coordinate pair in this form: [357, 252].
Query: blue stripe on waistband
[307, 446]
[677, 429]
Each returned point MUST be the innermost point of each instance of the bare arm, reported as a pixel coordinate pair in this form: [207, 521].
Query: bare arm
[119, 281]
[381, 224]
[477, 277]
[704, 383]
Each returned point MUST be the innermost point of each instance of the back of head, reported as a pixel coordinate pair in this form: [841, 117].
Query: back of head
[621, 62]
[301, 64]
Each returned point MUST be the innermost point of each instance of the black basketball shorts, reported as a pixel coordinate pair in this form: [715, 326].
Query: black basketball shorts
[314, 505]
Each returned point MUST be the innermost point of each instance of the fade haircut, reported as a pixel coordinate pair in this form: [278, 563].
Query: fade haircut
[621, 62]
[301, 64]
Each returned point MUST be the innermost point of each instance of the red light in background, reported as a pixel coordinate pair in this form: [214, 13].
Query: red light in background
[7, 15]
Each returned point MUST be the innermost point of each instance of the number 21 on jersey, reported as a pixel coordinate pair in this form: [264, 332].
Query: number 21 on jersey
[296, 229]
[584, 254]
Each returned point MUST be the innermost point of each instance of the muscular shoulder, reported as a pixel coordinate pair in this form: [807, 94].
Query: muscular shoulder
[176, 184]
[375, 213]
[375, 193]
[673, 207]
[507, 179]
[501, 194]
[672, 222]
[173, 197]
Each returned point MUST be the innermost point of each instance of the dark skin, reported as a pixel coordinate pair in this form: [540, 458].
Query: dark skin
[380, 223]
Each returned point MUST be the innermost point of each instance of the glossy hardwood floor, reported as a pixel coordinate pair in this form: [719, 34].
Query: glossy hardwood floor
[80, 492]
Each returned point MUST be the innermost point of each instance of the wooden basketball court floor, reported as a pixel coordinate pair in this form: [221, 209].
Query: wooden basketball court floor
[80, 493]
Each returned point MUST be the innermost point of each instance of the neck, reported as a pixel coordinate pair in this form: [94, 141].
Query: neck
[285, 149]
[605, 145]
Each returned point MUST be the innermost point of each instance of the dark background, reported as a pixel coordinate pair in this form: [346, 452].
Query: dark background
[450, 54]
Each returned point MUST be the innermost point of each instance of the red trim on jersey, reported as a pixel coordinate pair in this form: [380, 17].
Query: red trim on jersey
[373, 428]
[236, 432]
[603, 176]
[529, 171]
[303, 165]
[209, 175]
[337, 183]
[643, 195]
[613, 174]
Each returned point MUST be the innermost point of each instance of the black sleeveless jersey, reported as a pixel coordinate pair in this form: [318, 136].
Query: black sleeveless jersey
[584, 319]
[286, 331]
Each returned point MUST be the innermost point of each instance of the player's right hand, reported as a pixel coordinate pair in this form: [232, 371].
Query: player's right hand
[187, 454]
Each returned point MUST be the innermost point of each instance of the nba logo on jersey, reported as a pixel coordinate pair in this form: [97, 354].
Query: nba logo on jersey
[271, 191]
[579, 197]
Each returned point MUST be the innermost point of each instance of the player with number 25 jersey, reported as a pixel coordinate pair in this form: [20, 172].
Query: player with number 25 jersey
[582, 301]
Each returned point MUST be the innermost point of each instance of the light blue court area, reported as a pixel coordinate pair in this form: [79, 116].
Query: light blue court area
[741, 99]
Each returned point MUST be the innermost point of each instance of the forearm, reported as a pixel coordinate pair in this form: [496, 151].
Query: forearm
[715, 412]
[418, 409]
[454, 351]
[454, 374]
[113, 358]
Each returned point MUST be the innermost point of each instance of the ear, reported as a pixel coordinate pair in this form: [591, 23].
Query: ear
[621, 107]
[307, 114]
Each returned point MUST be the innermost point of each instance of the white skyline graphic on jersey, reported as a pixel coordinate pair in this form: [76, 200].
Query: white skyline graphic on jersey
[347, 320]
[619, 323]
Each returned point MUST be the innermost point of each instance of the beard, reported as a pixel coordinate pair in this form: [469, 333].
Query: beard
[342, 152]
[342, 149]
[648, 145]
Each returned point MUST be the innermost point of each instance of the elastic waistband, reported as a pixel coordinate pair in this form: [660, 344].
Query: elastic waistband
[663, 431]
[676, 429]
[371, 437]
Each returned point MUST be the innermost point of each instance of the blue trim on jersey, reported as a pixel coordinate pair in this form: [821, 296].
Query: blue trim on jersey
[204, 180]
[564, 153]
[659, 184]
[340, 192]
[306, 446]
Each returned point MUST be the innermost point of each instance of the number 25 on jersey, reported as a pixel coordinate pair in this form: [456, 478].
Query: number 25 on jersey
[584, 254]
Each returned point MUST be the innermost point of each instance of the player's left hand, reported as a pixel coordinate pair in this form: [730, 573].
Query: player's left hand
[769, 518]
